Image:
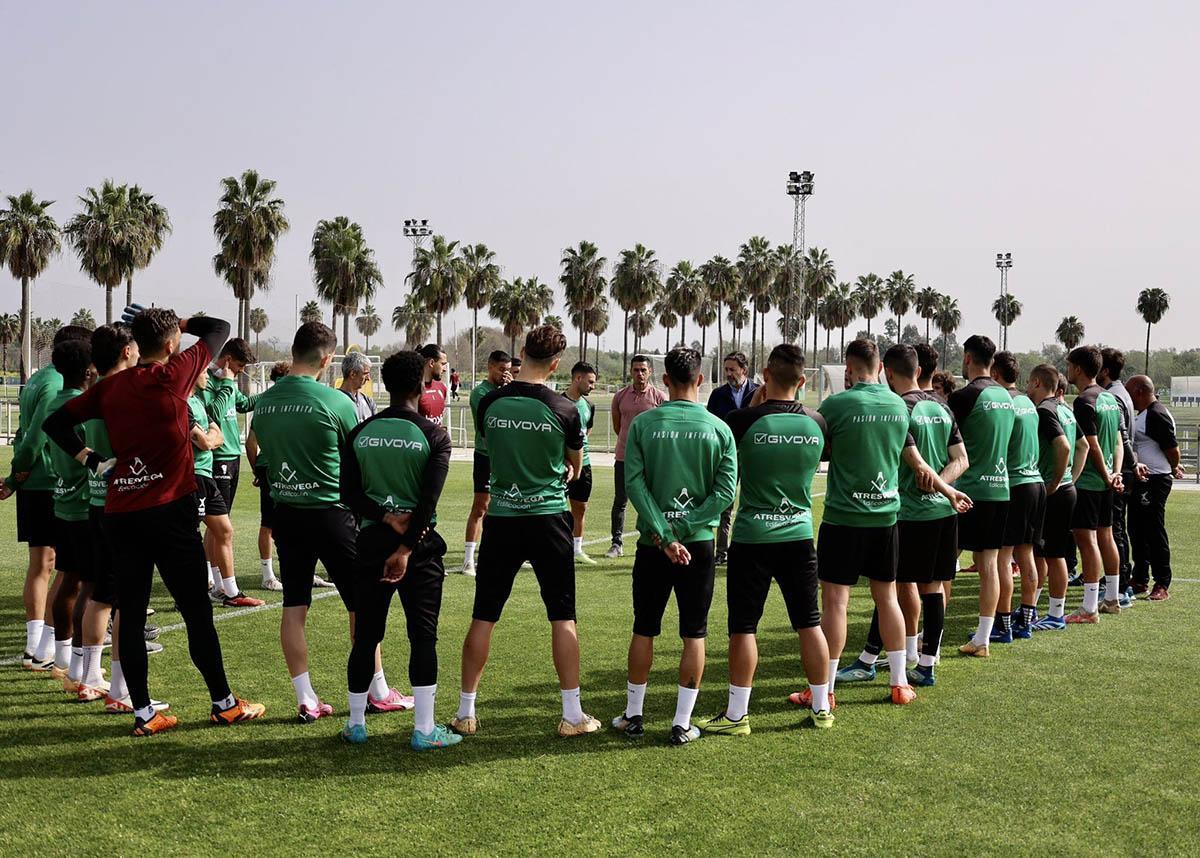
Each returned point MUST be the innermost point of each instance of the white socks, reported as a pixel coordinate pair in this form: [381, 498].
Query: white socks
[684, 703]
[229, 586]
[572, 709]
[1112, 588]
[268, 570]
[896, 668]
[379, 687]
[1037, 596]
[145, 714]
[983, 634]
[117, 689]
[214, 572]
[578, 540]
[91, 666]
[1091, 597]
[358, 708]
[833, 667]
[739, 703]
[305, 696]
[1057, 606]
[635, 696]
[910, 647]
[33, 634]
[226, 703]
[820, 697]
[868, 658]
[45, 647]
[62, 653]
[469, 556]
[75, 671]
[466, 704]
[423, 696]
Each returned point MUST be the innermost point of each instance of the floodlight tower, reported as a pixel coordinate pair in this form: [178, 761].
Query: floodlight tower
[799, 188]
[1003, 263]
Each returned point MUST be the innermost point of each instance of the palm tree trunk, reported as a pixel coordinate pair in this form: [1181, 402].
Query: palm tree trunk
[474, 342]
[868, 327]
[625, 352]
[345, 333]
[108, 290]
[827, 344]
[842, 346]
[439, 329]
[943, 354]
[512, 345]
[814, 339]
[1147, 348]
[597, 363]
[683, 331]
[27, 333]
[703, 345]
[753, 340]
[927, 330]
[720, 338]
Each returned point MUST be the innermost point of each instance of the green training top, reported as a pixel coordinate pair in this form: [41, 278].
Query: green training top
[95, 435]
[1023, 446]
[933, 429]
[477, 393]
[1098, 413]
[680, 471]
[1054, 419]
[984, 412]
[586, 414]
[71, 491]
[867, 433]
[30, 445]
[200, 417]
[779, 446]
[302, 423]
[223, 402]
[529, 429]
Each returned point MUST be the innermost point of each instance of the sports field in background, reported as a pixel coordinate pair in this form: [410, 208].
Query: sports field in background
[1085, 741]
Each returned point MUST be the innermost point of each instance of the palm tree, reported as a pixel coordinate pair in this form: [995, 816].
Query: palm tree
[104, 236]
[1006, 309]
[1152, 305]
[900, 294]
[641, 322]
[519, 305]
[819, 277]
[636, 282]
[439, 277]
[756, 265]
[155, 227]
[597, 324]
[869, 297]
[412, 318]
[310, 312]
[29, 237]
[841, 311]
[948, 318]
[739, 315]
[1069, 332]
[344, 269]
[584, 284]
[10, 332]
[258, 323]
[554, 321]
[926, 301]
[667, 317]
[707, 311]
[790, 270]
[721, 282]
[83, 318]
[683, 293]
[368, 323]
[481, 276]
[247, 225]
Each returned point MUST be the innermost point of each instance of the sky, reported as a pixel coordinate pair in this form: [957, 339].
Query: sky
[939, 134]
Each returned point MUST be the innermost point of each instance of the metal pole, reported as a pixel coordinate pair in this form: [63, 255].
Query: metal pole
[793, 303]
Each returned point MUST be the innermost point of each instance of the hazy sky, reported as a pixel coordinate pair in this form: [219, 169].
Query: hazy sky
[939, 133]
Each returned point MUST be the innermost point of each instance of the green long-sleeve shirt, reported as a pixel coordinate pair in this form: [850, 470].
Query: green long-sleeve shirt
[680, 471]
[71, 492]
[224, 402]
[30, 451]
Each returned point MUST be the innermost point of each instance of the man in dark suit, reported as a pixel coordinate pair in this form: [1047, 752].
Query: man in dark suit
[736, 393]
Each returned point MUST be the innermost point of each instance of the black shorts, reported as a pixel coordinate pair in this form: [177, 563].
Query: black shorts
[73, 548]
[581, 489]
[209, 500]
[982, 528]
[104, 568]
[481, 473]
[420, 589]
[1057, 540]
[507, 542]
[654, 579]
[266, 504]
[1093, 510]
[928, 550]
[844, 553]
[748, 581]
[1026, 511]
[302, 537]
[226, 472]
[35, 518]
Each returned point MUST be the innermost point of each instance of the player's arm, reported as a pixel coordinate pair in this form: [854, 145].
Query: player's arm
[1118, 462]
[242, 402]
[60, 428]
[211, 333]
[221, 393]
[1062, 454]
[1161, 431]
[957, 464]
[929, 481]
[251, 448]
[1081, 454]
[350, 481]
[573, 433]
[616, 413]
[433, 480]
[213, 437]
[29, 445]
[724, 485]
[639, 492]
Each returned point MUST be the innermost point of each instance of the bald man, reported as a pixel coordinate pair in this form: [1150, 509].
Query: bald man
[1158, 451]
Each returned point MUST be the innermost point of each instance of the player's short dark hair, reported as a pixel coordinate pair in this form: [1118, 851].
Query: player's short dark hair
[71, 332]
[403, 373]
[515, 363]
[153, 328]
[583, 367]
[239, 350]
[1063, 385]
[544, 343]
[902, 360]
[640, 358]
[740, 359]
[313, 341]
[1047, 375]
[863, 350]
[1113, 361]
[981, 350]
[431, 351]
[1005, 365]
[927, 360]
[108, 341]
[682, 365]
[786, 364]
[499, 356]
[1088, 359]
[72, 358]
[280, 369]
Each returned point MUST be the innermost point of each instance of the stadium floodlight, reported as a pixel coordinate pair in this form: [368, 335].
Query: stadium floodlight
[799, 188]
[1003, 263]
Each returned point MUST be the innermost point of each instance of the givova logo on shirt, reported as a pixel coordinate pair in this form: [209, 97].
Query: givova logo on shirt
[771, 438]
[879, 491]
[494, 422]
[139, 477]
[394, 443]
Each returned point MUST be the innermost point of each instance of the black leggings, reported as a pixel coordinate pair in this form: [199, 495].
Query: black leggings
[420, 592]
[166, 536]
